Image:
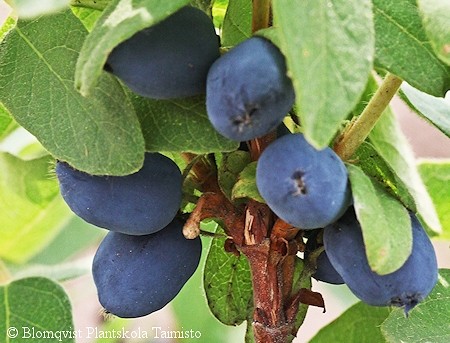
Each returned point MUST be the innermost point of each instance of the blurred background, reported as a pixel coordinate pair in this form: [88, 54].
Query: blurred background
[189, 309]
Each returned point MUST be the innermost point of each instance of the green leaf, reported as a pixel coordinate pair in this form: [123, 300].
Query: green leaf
[7, 123]
[427, 322]
[59, 272]
[237, 24]
[119, 21]
[191, 309]
[436, 16]
[73, 239]
[329, 47]
[391, 144]
[385, 223]
[33, 8]
[373, 165]
[230, 168]
[178, 125]
[359, 324]
[218, 12]
[99, 134]
[6, 26]
[31, 208]
[87, 16]
[299, 282]
[402, 47]
[228, 284]
[435, 110]
[436, 176]
[245, 186]
[91, 4]
[37, 304]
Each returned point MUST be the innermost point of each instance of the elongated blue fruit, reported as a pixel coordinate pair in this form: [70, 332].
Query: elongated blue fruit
[405, 287]
[170, 59]
[305, 187]
[325, 271]
[137, 204]
[248, 92]
[138, 275]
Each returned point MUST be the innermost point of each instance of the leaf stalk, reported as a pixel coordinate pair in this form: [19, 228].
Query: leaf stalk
[360, 127]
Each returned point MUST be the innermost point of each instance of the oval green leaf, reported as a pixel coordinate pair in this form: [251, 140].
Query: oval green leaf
[35, 306]
[392, 145]
[402, 47]
[427, 322]
[329, 47]
[32, 211]
[359, 324]
[228, 284]
[385, 223]
[178, 125]
[99, 134]
[436, 176]
[435, 110]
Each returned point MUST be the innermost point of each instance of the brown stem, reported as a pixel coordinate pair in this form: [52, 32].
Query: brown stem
[261, 14]
[269, 316]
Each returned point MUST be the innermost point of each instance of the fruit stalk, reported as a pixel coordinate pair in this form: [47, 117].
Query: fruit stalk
[359, 128]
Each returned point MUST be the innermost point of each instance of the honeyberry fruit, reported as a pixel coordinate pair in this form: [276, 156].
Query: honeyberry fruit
[138, 275]
[325, 271]
[170, 59]
[305, 187]
[137, 204]
[248, 92]
[405, 287]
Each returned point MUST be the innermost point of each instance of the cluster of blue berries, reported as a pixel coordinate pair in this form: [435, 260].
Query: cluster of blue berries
[144, 260]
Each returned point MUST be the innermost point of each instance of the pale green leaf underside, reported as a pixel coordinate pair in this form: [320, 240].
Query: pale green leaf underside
[227, 283]
[31, 209]
[434, 109]
[33, 8]
[402, 47]
[436, 176]
[385, 223]
[393, 147]
[436, 16]
[35, 303]
[119, 21]
[329, 47]
[427, 322]
[99, 134]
